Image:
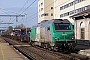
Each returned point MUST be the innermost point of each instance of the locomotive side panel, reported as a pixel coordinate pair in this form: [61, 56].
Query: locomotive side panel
[33, 34]
[49, 34]
[43, 34]
[37, 34]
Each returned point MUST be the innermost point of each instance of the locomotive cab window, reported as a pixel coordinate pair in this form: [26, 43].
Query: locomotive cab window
[62, 27]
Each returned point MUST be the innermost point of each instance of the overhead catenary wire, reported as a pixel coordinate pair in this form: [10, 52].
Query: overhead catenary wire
[23, 6]
[48, 10]
[40, 11]
[3, 10]
[7, 10]
[21, 9]
[37, 12]
[44, 8]
[27, 8]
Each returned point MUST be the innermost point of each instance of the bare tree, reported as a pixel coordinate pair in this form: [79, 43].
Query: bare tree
[9, 30]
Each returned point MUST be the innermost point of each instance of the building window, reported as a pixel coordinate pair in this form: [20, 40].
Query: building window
[45, 14]
[65, 6]
[41, 9]
[80, 24]
[81, 0]
[87, 7]
[51, 7]
[83, 9]
[71, 12]
[62, 15]
[82, 33]
[61, 8]
[66, 14]
[70, 4]
[51, 14]
[75, 11]
[41, 3]
[80, 10]
[89, 24]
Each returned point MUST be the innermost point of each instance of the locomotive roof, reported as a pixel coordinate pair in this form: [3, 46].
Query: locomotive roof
[58, 21]
[48, 22]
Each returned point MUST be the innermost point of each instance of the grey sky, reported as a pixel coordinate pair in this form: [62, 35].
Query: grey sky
[8, 7]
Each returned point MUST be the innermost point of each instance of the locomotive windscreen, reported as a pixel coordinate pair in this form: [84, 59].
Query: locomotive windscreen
[62, 27]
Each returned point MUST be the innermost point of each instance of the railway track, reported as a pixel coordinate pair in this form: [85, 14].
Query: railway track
[36, 53]
[14, 42]
[43, 55]
[67, 56]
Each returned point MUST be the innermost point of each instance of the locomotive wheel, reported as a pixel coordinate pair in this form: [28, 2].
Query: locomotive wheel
[50, 49]
[21, 40]
[54, 48]
[43, 45]
[29, 42]
[32, 44]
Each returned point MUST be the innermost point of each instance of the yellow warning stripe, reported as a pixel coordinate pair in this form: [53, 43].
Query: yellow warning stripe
[2, 53]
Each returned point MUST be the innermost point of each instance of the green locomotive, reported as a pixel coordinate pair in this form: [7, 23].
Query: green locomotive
[53, 34]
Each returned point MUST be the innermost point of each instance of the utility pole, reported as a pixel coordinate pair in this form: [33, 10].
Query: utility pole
[6, 23]
[13, 16]
[75, 23]
[3, 27]
[10, 16]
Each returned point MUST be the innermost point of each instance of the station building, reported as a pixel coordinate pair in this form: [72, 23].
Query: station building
[64, 9]
[82, 27]
[56, 9]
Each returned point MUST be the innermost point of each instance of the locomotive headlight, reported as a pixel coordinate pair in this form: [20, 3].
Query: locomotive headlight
[72, 38]
[55, 38]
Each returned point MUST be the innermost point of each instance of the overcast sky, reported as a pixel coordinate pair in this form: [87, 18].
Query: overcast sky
[12, 7]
